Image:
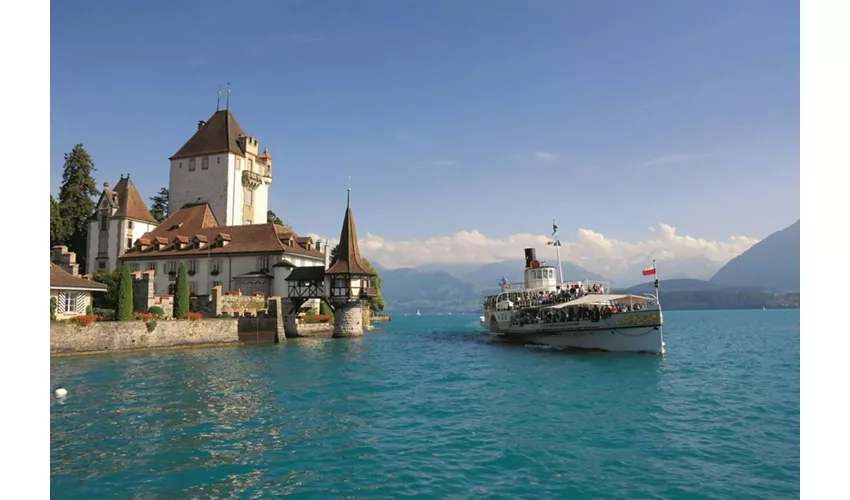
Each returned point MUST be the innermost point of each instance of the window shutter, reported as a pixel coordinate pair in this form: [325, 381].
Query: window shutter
[81, 303]
[63, 299]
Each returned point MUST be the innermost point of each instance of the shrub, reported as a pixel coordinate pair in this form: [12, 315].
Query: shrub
[317, 318]
[105, 314]
[89, 310]
[181, 292]
[151, 325]
[157, 312]
[324, 308]
[194, 316]
[52, 309]
[125, 294]
[84, 320]
[143, 316]
[313, 312]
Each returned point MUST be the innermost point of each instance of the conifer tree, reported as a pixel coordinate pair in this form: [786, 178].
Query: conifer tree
[57, 227]
[181, 293]
[125, 294]
[159, 205]
[75, 200]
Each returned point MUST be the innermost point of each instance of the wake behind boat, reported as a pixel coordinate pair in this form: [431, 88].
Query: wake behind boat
[577, 314]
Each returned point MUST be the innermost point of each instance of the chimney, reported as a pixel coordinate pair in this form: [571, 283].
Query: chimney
[318, 245]
[201, 123]
[327, 256]
[530, 255]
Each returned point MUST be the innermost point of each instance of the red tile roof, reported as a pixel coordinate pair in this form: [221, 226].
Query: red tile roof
[193, 220]
[130, 203]
[220, 134]
[60, 278]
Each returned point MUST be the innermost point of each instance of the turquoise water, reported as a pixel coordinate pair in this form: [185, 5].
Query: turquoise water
[425, 407]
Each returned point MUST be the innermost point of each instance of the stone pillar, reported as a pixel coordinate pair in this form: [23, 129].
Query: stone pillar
[215, 297]
[276, 312]
[348, 319]
[143, 290]
[288, 317]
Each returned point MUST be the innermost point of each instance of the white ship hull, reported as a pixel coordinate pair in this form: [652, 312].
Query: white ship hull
[639, 332]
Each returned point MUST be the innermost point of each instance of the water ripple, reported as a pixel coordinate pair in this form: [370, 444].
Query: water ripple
[427, 408]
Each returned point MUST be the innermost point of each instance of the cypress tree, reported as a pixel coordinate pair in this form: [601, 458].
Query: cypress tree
[57, 226]
[125, 294]
[181, 293]
[75, 200]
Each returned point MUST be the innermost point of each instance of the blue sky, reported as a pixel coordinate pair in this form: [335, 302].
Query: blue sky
[488, 115]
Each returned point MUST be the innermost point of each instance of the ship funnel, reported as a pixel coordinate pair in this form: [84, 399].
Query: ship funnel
[530, 255]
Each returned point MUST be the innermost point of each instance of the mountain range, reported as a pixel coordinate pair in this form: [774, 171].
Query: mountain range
[766, 275]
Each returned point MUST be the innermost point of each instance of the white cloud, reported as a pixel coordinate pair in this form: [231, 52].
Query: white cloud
[610, 257]
[435, 163]
[546, 155]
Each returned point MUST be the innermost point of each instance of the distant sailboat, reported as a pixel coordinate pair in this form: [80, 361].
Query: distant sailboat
[417, 313]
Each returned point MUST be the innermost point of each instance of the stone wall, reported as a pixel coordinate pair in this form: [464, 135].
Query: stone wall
[241, 303]
[348, 319]
[121, 335]
[144, 297]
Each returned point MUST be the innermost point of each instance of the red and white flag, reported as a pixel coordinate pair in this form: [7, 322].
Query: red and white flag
[649, 271]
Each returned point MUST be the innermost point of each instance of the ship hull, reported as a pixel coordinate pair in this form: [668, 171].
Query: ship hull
[630, 332]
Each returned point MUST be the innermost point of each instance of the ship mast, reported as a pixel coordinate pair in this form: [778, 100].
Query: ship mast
[557, 243]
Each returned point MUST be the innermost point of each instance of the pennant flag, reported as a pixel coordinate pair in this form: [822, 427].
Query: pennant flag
[557, 243]
[649, 271]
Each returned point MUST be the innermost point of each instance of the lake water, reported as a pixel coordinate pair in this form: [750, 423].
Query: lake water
[426, 407]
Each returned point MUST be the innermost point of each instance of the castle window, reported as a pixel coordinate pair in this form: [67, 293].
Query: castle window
[191, 165]
[171, 287]
[152, 266]
[130, 225]
[101, 265]
[263, 263]
[193, 287]
[129, 243]
[251, 165]
[104, 223]
[238, 163]
[216, 283]
[249, 197]
[218, 159]
[215, 266]
[193, 266]
[205, 164]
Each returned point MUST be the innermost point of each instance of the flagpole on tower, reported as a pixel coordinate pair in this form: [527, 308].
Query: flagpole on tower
[557, 244]
[657, 299]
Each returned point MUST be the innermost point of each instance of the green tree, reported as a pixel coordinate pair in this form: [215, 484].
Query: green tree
[111, 279]
[377, 302]
[57, 227]
[334, 253]
[75, 200]
[324, 308]
[125, 294]
[274, 219]
[181, 293]
[159, 205]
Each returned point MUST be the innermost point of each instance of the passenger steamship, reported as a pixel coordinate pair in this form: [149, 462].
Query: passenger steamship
[574, 314]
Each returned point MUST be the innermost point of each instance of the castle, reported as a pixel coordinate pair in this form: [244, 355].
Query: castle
[217, 219]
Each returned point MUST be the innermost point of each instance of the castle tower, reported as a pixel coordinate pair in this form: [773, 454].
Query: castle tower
[221, 165]
[347, 279]
[120, 217]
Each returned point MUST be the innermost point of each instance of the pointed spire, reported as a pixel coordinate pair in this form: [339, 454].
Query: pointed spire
[348, 205]
[218, 100]
[227, 106]
[348, 259]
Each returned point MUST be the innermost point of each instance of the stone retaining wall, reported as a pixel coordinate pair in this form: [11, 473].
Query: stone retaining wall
[121, 335]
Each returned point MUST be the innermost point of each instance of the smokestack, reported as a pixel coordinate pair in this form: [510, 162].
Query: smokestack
[530, 255]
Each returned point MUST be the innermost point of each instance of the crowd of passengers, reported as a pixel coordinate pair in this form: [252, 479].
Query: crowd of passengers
[522, 299]
[581, 313]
